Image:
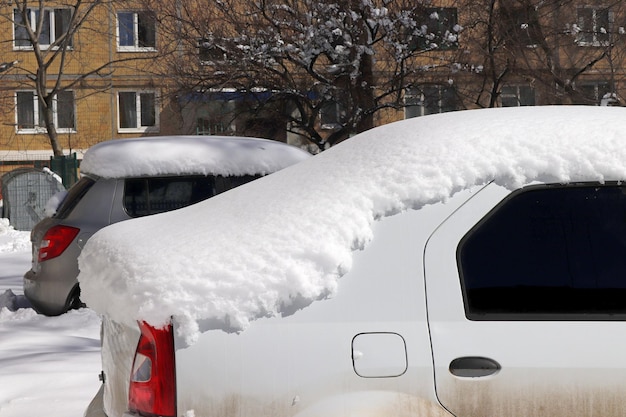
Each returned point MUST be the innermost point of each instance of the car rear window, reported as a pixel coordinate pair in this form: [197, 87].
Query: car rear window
[145, 196]
[554, 252]
[74, 195]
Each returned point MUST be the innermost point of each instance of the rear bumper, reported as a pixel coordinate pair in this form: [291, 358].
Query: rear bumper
[47, 297]
[96, 406]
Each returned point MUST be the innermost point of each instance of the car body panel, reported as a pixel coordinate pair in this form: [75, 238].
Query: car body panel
[118, 351]
[367, 348]
[368, 322]
[555, 368]
[384, 344]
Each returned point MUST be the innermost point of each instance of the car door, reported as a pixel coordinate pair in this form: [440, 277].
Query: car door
[526, 302]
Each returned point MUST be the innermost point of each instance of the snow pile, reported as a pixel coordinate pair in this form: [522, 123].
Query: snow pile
[12, 240]
[287, 238]
[163, 155]
[8, 301]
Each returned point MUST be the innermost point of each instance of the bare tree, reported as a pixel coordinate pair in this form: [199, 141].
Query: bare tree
[61, 43]
[556, 46]
[323, 69]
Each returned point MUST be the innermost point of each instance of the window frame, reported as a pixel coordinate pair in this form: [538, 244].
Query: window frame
[51, 22]
[38, 126]
[421, 99]
[215, 117]
[517, 95]
[580, 314]
[138, 128]
[136, 32]
[596, 86]
[333, 115]
[590, 37]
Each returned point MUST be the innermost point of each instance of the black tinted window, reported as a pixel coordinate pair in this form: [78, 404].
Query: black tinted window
[144, 196]
[548, 253]
[73, 197]
[226, 183]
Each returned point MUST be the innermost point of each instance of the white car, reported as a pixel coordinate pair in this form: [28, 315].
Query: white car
[467, 264]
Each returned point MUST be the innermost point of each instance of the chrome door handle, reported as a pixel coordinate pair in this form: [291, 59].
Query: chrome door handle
[473, 367]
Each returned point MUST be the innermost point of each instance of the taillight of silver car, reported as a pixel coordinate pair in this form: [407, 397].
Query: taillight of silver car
[55, 241]
[152, 390]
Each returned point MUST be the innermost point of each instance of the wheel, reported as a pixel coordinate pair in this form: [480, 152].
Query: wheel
[73, 300]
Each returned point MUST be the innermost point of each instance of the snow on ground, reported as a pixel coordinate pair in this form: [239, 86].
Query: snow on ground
[48, 365]
[288, 237]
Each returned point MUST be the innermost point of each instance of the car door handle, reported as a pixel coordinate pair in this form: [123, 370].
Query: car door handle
[473, 367]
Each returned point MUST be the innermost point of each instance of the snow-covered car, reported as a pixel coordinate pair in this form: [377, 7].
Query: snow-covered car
[129, 178]
[469, 264]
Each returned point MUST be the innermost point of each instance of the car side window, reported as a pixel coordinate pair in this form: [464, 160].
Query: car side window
[145, 196]
[548, 253]
[226, 183]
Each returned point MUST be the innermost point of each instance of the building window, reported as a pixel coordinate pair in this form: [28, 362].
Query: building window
[517, 95]
[136, 31]
[590, 93]
[520, 25]
[429, 99]
[333, 115]
[210, 53]
[137, 111]
[593, 26]
[438, 28]
[548, 253]
[55, 24]
[30, 117]
[215, 117]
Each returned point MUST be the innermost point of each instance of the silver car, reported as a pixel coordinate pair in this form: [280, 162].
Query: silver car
[124, 179]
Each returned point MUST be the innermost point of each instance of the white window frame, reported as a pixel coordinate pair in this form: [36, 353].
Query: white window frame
[36, 129]
[52, 21]
[595, 29]
[135, 47]
[138, 128]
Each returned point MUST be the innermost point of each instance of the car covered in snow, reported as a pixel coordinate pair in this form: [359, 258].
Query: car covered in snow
[462, 264]
[130, 178]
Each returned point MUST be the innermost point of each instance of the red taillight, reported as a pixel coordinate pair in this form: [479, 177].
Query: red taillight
[55, 241]
[152, 390]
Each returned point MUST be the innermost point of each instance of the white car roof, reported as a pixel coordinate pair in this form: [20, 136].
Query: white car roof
[177, 155]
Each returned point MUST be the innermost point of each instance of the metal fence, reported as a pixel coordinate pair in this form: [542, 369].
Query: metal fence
[25, 192]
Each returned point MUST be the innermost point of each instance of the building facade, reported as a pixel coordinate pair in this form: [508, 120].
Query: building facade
[110, 78]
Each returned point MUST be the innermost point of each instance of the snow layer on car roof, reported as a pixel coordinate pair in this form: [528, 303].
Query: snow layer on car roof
[175, 155]
[250, 252]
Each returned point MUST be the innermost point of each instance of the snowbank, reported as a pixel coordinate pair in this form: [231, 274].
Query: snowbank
[12, 240]
[290, 236]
